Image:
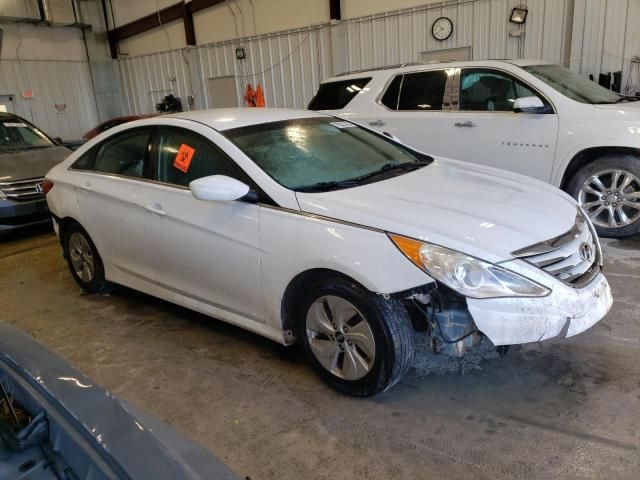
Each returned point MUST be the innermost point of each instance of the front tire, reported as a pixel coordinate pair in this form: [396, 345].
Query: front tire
[83, 259]
[356, 341]
[609, 191]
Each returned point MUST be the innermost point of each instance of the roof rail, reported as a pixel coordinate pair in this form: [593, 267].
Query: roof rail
[391, 67]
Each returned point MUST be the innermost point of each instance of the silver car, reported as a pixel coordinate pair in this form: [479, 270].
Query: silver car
[26, 154]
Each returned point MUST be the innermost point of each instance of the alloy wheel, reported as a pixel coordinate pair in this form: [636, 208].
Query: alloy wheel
[340, 337]
[611, 198]
[81, 257]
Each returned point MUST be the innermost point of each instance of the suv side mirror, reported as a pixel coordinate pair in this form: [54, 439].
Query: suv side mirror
[218, 188]
[529, 105]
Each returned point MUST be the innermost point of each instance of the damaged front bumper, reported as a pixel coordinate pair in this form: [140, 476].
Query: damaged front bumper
[565, 312]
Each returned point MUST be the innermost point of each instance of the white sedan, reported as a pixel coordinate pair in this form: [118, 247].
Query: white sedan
[306, 228]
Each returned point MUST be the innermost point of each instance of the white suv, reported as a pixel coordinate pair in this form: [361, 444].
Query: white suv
[527, 116]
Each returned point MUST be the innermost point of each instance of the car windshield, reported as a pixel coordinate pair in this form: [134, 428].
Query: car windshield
[574, 86]
[15, 134]
[325, 153]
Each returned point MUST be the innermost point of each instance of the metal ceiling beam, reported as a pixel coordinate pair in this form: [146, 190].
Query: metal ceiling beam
[334, 10]
[177, 11]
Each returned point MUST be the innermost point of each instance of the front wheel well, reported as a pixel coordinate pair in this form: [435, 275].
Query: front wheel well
[296, 288]
[589, 155]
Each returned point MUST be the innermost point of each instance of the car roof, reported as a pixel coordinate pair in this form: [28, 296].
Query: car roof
[418, 66]
[228, 118]
[8, 116]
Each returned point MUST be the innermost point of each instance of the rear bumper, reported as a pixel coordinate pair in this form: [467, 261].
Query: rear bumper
[20, 214]
[563, 313]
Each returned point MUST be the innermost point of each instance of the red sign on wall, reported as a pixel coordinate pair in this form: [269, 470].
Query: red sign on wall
[27, 93]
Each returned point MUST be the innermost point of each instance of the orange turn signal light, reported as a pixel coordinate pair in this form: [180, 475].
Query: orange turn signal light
[409, 247]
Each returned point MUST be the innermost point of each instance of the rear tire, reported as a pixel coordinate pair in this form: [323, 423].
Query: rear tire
[609, 191]
[356, 341]
[84, 260]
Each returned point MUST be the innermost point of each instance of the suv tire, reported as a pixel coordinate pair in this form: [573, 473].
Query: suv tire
[609, 186]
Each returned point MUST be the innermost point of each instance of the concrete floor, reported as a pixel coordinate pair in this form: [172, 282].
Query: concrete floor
[568, 409]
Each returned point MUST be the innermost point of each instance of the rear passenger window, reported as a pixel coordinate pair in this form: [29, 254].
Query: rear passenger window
[183, 156]
[336, 95]
[124, 153]
[390, 97]
[423, 91]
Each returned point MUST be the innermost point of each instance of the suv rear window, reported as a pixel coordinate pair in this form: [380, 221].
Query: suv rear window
[336, 95]
[423, 91]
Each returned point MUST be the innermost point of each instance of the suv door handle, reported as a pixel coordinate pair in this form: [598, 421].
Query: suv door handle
[86, 187]
[155, 208]
[377, 123]
[467, 124]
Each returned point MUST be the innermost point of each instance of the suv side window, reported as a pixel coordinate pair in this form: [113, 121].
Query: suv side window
[182, 156]
[336, 95]
[122, 154]
[423, 91]
[488, 90]
[390, 97]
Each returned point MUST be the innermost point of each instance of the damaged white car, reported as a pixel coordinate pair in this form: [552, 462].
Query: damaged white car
[305, 228]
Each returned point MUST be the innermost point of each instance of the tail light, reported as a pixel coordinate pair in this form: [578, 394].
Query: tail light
[46, 186]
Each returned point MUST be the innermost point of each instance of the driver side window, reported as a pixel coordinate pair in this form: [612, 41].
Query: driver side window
[124, 154]
[182, 156]
[489, 90]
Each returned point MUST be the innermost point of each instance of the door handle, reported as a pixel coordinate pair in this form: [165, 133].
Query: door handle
[155, 208]
[86, 187]
[377, 123]
[466, 124]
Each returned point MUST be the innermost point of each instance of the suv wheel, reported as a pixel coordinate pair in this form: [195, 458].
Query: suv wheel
[609, 191]
[358, 342]
[83, 260]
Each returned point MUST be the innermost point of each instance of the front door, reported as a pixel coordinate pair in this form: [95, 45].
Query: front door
[414, 108]
[206, 251]
[484, 128]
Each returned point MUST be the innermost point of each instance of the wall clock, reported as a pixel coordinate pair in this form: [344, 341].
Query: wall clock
[442, 28]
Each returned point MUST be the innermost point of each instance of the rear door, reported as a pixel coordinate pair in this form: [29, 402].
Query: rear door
[110, 184]
[414, 107]
[206, 251]
[484, 129]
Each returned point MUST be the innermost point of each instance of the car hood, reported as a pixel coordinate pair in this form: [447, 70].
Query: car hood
[122, 436]
[621, 111]
[482, 211]
[32, 163]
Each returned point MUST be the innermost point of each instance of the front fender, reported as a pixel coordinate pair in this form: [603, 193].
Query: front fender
[294, 242]
[577, 136]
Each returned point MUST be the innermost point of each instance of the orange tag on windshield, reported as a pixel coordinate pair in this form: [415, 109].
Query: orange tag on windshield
[183, 158]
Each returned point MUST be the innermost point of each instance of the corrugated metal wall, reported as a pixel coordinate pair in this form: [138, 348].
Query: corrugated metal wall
[148, 78]
[290, 65]
[52, 82]
[606, 36]
[401, 36]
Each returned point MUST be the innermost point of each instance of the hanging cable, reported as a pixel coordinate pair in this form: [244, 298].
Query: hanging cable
[282, 60]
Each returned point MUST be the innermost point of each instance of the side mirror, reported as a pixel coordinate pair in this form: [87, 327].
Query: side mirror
[218, 188]
[58, 140]
[529, 105]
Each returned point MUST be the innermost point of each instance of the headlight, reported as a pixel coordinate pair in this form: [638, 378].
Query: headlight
[467, 275]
